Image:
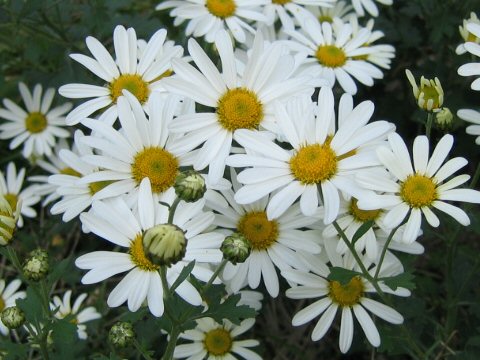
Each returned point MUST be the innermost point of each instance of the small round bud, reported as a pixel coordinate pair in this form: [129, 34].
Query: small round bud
[121, 334]
[36, 266]
[443, 118]
[236, 248]
[12, 317]
[165, 244]
[190, 186]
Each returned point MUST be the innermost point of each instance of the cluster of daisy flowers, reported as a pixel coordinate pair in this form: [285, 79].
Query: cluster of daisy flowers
[238, 167]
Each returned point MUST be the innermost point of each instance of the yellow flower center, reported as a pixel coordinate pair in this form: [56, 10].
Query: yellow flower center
[418, 191]
[221, 8]
[362, 215]
[70, 171]
[98, 185]
[430, 92]
[2, 304]
[313, 164]
[331, 56]
[218, 342]
[471, 38]
[325, 18]
[138, 257]
[36, 122]
[239, 109]
[281, 2]
[134, 83]
[260, 231]
[347, 294]
[158, 165]
[12, 200]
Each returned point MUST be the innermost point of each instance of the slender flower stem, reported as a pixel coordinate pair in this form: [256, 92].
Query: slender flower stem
[428, 129]
[172, 210]
[214, 275]
[172, 342]
[384, 251]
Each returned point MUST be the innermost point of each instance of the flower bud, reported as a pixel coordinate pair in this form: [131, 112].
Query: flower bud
[12, 317]
[428, 94]
[236, 248]
[190, 186]
[36, 266]
[165, 244]
[121, 334]
[8, 219]
[443, 118]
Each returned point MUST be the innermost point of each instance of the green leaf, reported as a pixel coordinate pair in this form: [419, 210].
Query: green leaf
[64, 336]
[58, 271]
[13, 351]
[31, 306]
[403, 280]
[342, 275]
[362, 230]
[187, 270]
[228, 309]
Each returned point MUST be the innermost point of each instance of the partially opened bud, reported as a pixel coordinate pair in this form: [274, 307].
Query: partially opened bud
[121, 334]
[8, 220]
[236, 248]
[12, 317]
[36, 266]
[190, 186]
[165, 244]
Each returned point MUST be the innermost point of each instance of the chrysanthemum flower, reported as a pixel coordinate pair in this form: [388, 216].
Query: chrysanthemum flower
[212, 340]
[361, 5]
[333, 53]
[37, 126]
[340, 9]
[208, 17]
[417, 189]
[139, 75]
[8, 296]
[273, 241]
[467, 35]
[239, 102]
[63, 308]
[429, 96]
[322, 157]
[332, 296]
[472, 69]
[112, 220]
[472, 116]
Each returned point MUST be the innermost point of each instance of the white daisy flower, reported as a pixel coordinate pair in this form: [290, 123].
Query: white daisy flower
[112, 220]
[139, 75]
[333, 53]
[37, 126]
[467, 35]
[331, 296]
[208, 17]
[472, 116]
[212, 340]
[142, 148]
[8, 296]
[417, 189]
[369, 5]
[240, 101]
[11, 189]
[63, 308]
[340, 9]
[323, 157]
[472, 69]
[273, 241]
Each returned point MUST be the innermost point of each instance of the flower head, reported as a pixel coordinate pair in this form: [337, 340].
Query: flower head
[429, 95]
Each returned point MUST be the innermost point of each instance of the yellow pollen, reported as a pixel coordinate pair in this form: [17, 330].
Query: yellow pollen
[325, 18]
[239, 109]
[418, 191]
[471, 38]
[360, 57]
[362, 215]
[2, 304]
[36, 122]
[348, 294]
[281, 2]
[260, 231]
[137, 254]
[221, 8]
[313, 164]
[70, 171]
[12, 200]
[331, 56]
[163, 75]
[98, 185]
[218, 342]
[158, 165]
[131, 82]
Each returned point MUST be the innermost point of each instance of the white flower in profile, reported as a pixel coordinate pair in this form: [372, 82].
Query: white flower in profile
[211, 340]
[467, 36]
[335, 53]
[350, 299]
[114, 221]
[237, 101]
[208, 17]
[322, 157]
[139, 75]
[416, 190]
[472, 69]
[369, 5]
[38, 126]
[8, 297]
[62, 308]
[471, 116]
[11, 189]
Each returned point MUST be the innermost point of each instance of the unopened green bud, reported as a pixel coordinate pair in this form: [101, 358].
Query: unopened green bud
[165, 244]
[444, 118]
[36, 266]
[190, 186]
[236, 248]
[12, 317]
[121, 334]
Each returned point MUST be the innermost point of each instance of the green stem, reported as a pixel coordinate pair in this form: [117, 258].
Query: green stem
[172, 210]
[172, 342]
[141, 350]
[214, 275]
[384, 251]
[428, 130]
[476, 176]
